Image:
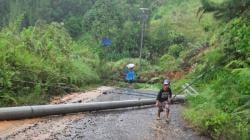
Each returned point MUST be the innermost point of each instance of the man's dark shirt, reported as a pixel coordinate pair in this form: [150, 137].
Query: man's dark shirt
[164, 95]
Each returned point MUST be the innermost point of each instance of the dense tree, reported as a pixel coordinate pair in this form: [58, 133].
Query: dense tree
[48, 10]
[227, 9]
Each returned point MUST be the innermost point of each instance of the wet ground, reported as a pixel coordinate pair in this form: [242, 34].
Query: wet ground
[137, 123]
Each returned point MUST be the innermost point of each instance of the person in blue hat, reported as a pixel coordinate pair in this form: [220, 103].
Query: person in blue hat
[163, 99]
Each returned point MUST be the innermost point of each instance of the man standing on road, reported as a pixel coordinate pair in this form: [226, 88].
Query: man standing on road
[163, 99]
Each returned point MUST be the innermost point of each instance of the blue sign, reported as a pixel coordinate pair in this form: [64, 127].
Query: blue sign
[106, 42]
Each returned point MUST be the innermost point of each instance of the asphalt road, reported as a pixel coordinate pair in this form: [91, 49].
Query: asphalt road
[137, 123]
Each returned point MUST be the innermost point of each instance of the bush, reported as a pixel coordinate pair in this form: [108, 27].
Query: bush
[236, 40]
[168, 62]
[175, 50]
[43, 60]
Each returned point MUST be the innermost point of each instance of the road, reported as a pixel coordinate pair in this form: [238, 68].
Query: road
[137, 123]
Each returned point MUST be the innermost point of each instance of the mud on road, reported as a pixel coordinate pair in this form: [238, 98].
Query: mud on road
[137, 123]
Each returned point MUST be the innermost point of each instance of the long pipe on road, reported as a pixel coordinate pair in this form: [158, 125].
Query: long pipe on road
[22, 112]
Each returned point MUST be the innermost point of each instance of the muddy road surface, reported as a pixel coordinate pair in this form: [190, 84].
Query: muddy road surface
[137, 123]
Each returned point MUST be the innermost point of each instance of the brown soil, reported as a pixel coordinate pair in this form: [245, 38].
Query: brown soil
[176, 75]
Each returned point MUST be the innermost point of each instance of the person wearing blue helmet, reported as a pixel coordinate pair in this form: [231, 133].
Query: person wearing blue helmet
[163, 99]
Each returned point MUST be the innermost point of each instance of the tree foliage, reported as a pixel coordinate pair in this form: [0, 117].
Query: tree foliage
[43, 60]
[224, 88]
[226, 10]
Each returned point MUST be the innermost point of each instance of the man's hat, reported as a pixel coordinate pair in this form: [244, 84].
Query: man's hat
[131, 66]
[166, 82]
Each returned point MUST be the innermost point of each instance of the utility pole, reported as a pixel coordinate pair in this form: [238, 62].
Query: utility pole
[144, 18]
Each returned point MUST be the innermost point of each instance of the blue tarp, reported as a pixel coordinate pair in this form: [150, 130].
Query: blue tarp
[106, 42]
[130, 75]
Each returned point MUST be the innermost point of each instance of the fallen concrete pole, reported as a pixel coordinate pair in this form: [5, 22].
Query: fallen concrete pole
[22, 112]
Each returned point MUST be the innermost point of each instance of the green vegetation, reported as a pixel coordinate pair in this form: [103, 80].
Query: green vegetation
[50, 47]
[42, 59]
[222, 108]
